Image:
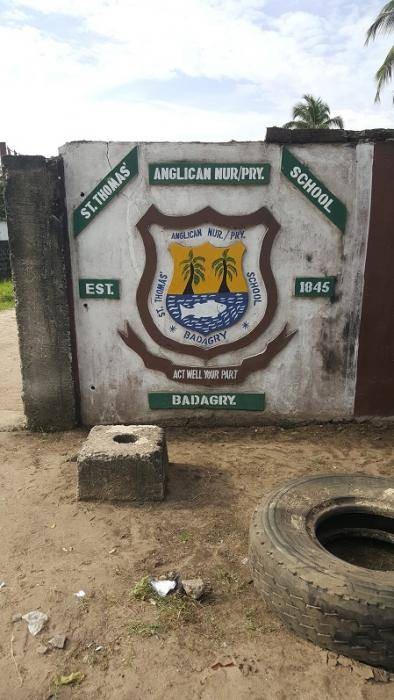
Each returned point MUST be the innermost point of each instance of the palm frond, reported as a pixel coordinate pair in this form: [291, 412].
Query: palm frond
[300, 111]
[312, 113]
[292, 124]
[336, 122]
[297, 124]
[385, 73]
[383, 24]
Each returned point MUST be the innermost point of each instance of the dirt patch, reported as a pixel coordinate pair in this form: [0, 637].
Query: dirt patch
[11, 407]
[226, 646]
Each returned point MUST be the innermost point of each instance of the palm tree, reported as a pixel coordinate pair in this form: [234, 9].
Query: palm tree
[225, 266]
[383, 24]
[192, 271]
[313, 113]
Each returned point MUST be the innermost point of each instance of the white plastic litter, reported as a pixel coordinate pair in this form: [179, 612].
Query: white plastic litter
[2, 584]
[80, 594]
[162, 588]
[35, 621]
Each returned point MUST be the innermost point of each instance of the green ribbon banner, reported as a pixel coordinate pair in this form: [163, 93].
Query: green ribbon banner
[190, 173]
[105, 191]
[99, 289]
[314, 190]
[212, 402]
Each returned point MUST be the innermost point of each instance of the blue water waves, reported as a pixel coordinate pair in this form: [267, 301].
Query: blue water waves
[207, 313]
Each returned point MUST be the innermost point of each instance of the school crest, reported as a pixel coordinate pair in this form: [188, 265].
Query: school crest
[207, 289]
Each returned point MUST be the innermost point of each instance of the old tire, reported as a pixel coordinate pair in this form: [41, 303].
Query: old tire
[337, 605]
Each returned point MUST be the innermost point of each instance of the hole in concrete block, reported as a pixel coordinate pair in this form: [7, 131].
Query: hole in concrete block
[125, 438]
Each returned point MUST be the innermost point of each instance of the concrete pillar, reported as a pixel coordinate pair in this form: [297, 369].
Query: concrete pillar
[37, 229]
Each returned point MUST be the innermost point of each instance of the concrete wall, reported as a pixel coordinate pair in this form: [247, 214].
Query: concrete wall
[38, 243]
[314, 375]
[112, 324]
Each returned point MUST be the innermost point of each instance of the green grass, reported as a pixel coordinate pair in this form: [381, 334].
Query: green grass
[142, 589]
[171, 612]
[6, 295]
[184, 537]
[141, 629]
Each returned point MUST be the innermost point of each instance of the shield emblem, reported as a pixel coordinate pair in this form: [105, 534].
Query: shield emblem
[207, 287]
[208, 290]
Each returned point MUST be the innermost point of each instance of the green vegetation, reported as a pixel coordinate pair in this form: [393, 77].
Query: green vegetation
[6, 295]
[176, 610]
[313, 113]
[171, 611]
[141, 629]
[383, 24]
[142, 590]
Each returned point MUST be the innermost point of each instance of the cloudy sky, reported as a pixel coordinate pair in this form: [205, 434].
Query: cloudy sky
[181, 69]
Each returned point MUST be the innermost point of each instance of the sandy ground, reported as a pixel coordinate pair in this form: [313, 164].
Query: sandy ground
[51, 546]
[11, 407]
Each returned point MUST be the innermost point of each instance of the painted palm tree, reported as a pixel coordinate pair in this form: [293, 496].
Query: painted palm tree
[383, 24]
[313, 113]
[226, 267]
[192, 271]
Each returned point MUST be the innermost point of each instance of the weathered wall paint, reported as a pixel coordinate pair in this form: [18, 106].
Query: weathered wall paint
[314, 376]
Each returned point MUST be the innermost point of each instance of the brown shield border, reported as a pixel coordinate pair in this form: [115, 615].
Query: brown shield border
[204, 216]
[167, 367]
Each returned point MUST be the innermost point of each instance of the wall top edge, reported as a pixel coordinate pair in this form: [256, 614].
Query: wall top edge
[303, 136]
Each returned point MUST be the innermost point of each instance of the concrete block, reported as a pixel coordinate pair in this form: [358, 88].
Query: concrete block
[123, 463]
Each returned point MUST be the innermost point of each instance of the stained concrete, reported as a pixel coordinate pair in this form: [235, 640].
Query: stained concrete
[38, 247]
[314, 377]
[123, 463]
